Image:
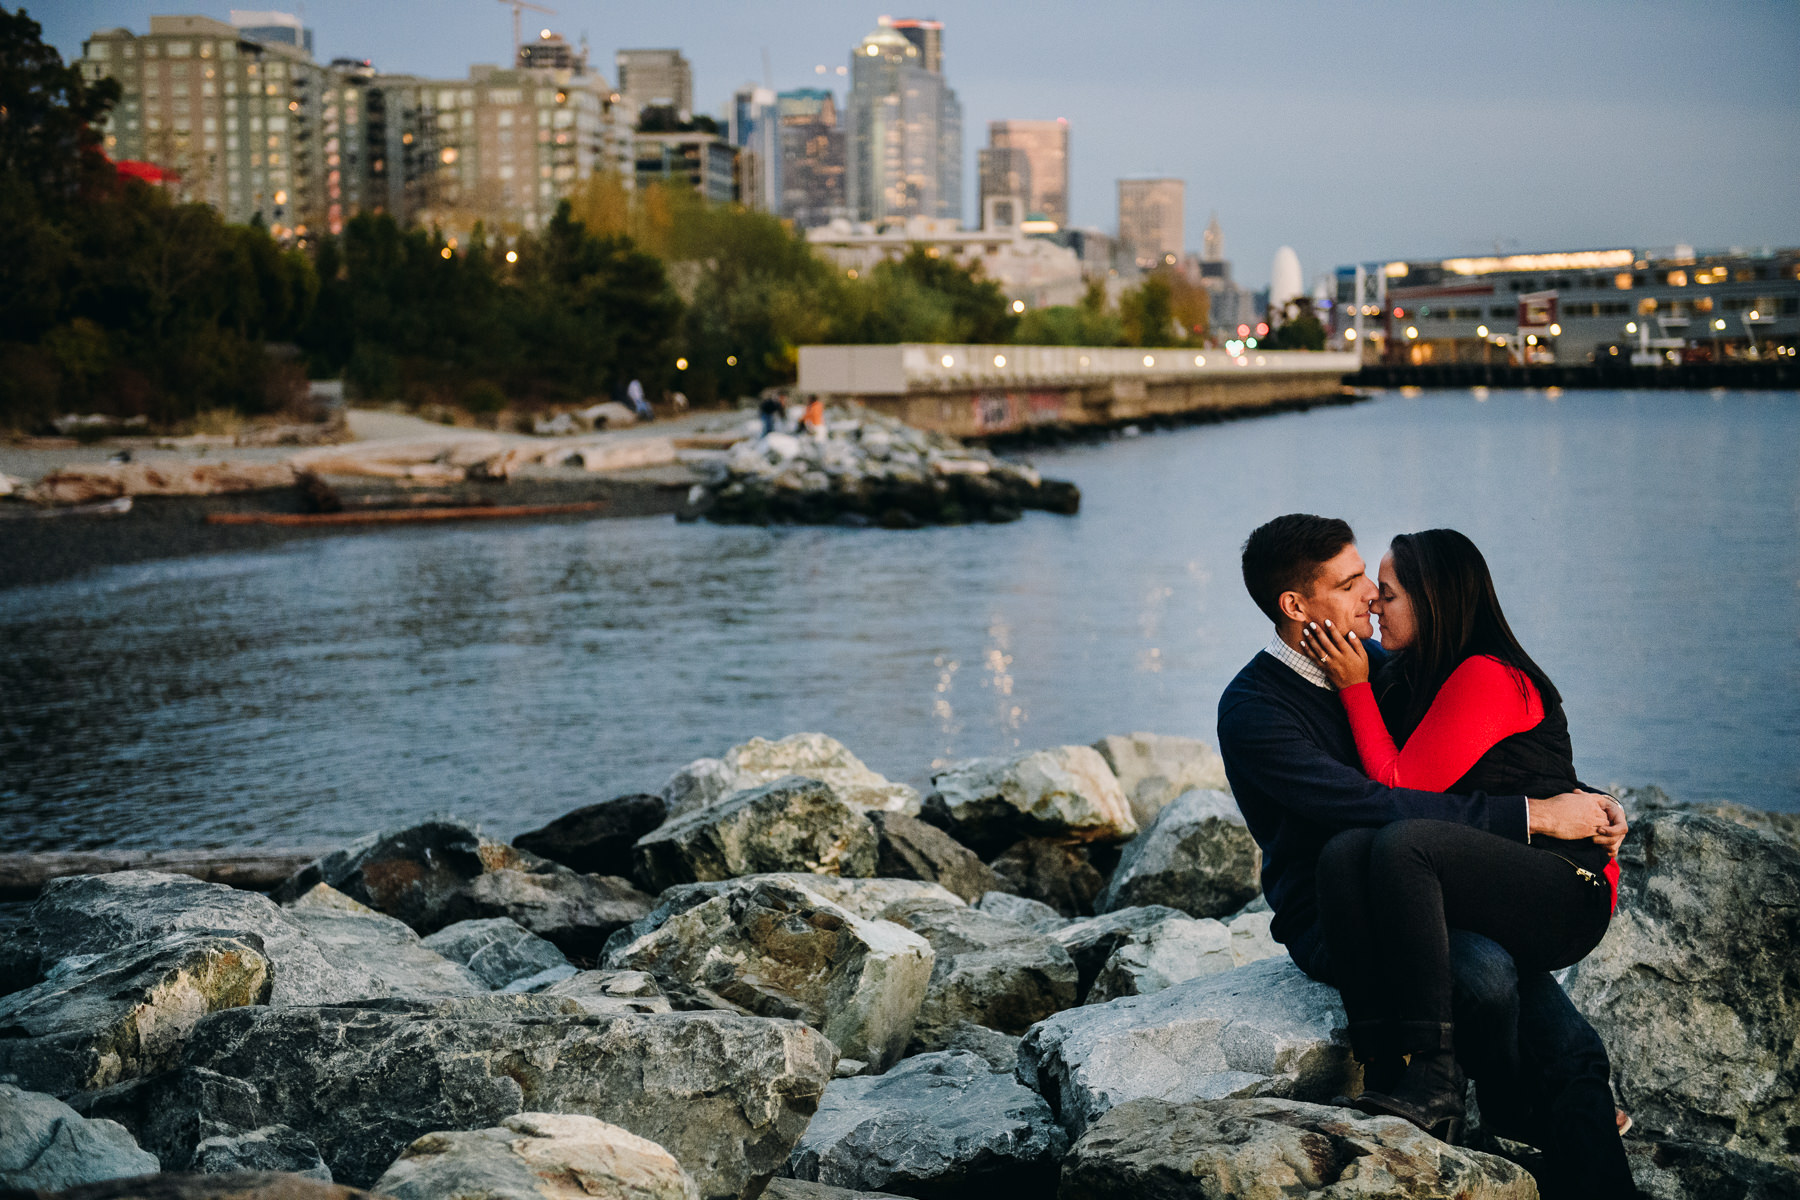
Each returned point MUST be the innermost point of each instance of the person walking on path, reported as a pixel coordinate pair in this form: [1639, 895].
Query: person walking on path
[772, 412]
[814, 420]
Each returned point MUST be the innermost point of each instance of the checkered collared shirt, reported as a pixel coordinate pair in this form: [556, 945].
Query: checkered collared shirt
[1302, 666]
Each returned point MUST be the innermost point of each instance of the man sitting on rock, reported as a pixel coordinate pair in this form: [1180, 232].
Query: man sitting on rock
[1294, 769]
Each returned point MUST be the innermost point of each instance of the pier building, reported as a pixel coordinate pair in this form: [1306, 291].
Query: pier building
[1623, 307]
[990, 391]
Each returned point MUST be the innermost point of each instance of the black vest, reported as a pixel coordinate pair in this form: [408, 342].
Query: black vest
[1540, 762]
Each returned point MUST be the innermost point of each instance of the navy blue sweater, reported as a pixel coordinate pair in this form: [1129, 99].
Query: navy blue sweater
[1294, 769]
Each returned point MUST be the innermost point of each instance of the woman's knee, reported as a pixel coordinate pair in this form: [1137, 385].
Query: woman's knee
[1403, 842]
[1344, 860]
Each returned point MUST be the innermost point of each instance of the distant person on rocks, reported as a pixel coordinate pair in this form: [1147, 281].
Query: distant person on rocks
[814, 419]
[773, 413]
[1423, 946]
[634, 394]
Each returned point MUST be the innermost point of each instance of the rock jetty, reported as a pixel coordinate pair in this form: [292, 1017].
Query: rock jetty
[870, 469]
[785, 975]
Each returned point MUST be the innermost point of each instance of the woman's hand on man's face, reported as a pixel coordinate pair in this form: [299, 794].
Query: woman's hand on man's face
[1341, 654]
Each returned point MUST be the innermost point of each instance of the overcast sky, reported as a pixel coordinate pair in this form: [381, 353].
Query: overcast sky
[1346, 130]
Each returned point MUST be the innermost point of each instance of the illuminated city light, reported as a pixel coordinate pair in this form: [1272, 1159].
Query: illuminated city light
[1260, 360]
[1631, 327]
[1242, 361]
[1581, 260]
[1084, 360]
[1262, 329]
[1250, 342]
[949, 360]
[873, 51]
[1412, 331]
[1395, 270]
[1555, 330]
[1018, 306]
[1481, 331]
[1199, 360]
[512, 256]
[445, 252]
[1149, 360]
[1399, 312]
[681, 364]
[731, 360]
[1531, 339]
[1755, 315]
[999, 360]
[851, 272]
[1243, 331]
[1719, 324]
[1349, 335]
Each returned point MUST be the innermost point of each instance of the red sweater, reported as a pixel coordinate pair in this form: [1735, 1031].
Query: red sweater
[1482, 702]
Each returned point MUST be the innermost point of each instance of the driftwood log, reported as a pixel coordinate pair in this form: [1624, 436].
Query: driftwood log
[22, 876]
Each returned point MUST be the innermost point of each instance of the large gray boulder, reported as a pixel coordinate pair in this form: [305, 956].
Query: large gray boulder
[537, 1156]
[707, 781]
[411, 873]
[1696, 987]
[908, 848]
[1269, 1149]
[597, 839]
[1178, 949]
[356, 937]
[939, 1127]
[1033, 914]
[800, 1189]
[1065, 792]
[1643, 803]
[1197, 855]
[1153, 769]
[792, 824]
[235, 1185]
[988, 971]
[727, 1095]
[1050, 871]
[575, 913]
[612, 993]
[1258, 1030]
[101, 1019]
[1091, 941]
[270, 1148]
[1677, 1170]
[47, 1146]
[502, 954]
[867, 898]
[96, 914]
[172, 1113]
[772, 949]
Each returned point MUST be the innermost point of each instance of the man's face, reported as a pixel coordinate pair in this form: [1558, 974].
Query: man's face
[1341, 593]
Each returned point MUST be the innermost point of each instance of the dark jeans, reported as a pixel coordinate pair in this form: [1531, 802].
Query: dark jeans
[1540, 1068]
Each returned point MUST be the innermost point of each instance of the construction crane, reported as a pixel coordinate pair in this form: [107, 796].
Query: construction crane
[517, 7]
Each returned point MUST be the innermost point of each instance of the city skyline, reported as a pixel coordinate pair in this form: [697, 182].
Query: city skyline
[1392, 131]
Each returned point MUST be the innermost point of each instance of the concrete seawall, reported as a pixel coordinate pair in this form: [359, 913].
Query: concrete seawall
[989, 391]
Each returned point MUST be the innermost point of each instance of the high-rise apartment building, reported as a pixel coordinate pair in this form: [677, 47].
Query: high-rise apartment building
[1002, 173]
[1045, 145]
[812, 157]
[657, 79]
[928, 36]
[905, 136]
[756, 131]
[1151, 219]
[260, 131]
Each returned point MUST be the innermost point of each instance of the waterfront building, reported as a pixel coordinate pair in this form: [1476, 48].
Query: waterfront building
[1033, 270]
[1044, 145]
[812, 157]
[701, 160]
[657, 79]
[258, 130]
[1577, 307]
[1151, 216]
[755, 129]
[1230, 305]
[905, 135]
[1286, 281]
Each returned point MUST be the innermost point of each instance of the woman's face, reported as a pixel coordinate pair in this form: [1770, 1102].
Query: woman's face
[1393, 608]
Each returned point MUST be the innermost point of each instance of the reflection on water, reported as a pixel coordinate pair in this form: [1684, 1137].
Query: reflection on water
[1647, 547]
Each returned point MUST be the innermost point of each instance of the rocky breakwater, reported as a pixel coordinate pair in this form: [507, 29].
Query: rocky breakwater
[870, 470]
[785, 974]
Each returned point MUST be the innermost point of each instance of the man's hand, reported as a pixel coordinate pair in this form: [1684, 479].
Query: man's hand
[1580, 816]
[1616, 830]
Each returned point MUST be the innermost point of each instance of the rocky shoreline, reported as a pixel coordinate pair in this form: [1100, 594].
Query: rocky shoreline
[785, 975]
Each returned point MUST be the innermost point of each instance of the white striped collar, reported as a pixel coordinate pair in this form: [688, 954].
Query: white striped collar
[1302, 666]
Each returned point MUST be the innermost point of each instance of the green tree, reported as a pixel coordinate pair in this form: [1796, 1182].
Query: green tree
[1147, 312]
[1300, 328]
[1090, 323]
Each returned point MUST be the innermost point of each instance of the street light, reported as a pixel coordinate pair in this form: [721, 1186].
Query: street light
[1481, 331]
[1631, 327]
[1018, 306]
[1412, 331]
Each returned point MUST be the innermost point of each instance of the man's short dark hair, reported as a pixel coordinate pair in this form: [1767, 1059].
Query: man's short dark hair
[1285, 556]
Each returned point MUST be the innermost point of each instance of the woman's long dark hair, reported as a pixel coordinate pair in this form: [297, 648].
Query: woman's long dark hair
[1456, 614]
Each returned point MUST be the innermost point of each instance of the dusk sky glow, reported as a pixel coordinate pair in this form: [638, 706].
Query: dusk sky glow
[1349, 131]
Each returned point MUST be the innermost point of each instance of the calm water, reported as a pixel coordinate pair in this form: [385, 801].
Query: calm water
[1647, 547]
